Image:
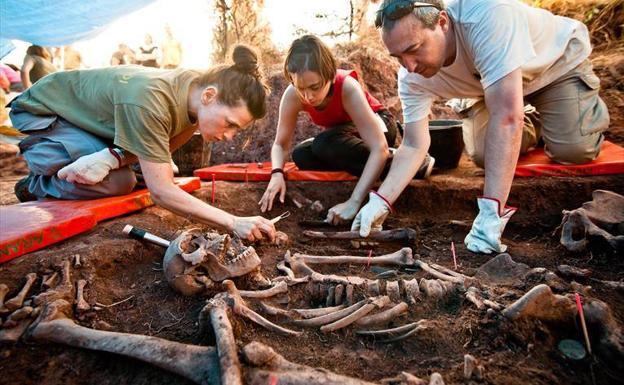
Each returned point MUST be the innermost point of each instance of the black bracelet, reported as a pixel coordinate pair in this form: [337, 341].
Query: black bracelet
[277, 170]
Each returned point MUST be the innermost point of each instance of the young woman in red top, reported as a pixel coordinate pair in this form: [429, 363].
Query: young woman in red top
[358, 129]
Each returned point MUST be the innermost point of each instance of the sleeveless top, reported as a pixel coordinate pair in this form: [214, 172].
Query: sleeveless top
[148, 62]
[334, 113]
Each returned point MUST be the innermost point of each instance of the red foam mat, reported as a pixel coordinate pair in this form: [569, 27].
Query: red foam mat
[31, 226]
[536, 163]
[261, 172]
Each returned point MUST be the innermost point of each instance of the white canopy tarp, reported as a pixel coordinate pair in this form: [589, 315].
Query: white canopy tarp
[58, 22]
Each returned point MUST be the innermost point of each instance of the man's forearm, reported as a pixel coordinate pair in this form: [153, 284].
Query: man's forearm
[502, 147]
[405, 164]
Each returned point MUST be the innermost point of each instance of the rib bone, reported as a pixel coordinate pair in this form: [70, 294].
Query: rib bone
[383, 317]
[17, 301]
[331, 317]
[378, 302]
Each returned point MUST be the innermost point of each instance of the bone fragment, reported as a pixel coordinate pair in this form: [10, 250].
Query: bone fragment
[404, 378]
[196, 363]
[14, 333]
[436, 379]
[331, 317]
[349, 294]
[4, 289]
[281, 239]
[48, 281]
[383, 317]
[472, 368]
[267, 366]
[331, 293]
[64, 290]
[473, 295]
[432, 288]
[280, 288]
[393, 291]
[77, 261]
[226, 344]
[574, 272]
[81, 304]
[17, 301]
[405, 235]
[372, 288]
[541, 303]
[401, 257]
[338, 294]
[492, 304]
[18, 315]
[412, 291]
[378, 302]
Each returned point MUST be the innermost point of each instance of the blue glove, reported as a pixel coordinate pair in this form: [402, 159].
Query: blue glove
[488, 227]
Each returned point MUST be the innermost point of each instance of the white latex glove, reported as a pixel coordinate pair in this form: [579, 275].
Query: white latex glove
[488, 227]
[90, 169]
[342, 212]
[371, 216]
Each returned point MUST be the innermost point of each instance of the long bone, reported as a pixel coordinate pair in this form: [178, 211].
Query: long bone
[17, 301]
[239, 307]
[437, 274]
[224, 336]
[81, 304]
[405, 235]
[401, 257]
[269, 367]
[196, 363]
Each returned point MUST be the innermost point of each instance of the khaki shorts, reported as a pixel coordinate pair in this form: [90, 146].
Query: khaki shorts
[567, 114]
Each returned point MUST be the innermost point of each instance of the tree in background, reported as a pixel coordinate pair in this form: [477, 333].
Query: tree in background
[350, 25]
[240, 21]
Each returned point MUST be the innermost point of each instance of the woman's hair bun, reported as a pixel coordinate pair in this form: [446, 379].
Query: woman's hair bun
[245, 60]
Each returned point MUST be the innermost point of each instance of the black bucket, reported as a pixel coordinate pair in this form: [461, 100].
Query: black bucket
[192, 155]
[447, 142]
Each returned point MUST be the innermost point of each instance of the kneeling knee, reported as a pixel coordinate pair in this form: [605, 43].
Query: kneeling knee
[121, 182]
[572, 153]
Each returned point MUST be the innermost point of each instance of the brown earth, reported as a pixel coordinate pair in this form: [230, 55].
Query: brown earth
[118, 268]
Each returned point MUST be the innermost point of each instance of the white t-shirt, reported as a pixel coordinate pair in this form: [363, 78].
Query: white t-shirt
[495, 37]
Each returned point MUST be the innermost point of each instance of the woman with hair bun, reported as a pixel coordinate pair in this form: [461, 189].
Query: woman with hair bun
[87, 127]
[358, 130]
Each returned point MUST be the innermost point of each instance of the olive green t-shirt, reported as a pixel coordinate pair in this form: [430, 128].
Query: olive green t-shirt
[140, 109]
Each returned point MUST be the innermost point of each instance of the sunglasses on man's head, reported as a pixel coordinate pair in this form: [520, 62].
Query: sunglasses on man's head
[397, 10]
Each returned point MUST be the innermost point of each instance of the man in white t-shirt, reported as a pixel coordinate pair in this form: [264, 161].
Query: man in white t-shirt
[502, 54]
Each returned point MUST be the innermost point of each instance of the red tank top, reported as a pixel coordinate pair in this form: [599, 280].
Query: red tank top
[334, 113]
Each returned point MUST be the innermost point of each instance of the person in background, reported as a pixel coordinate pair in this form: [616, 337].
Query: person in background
[172, 50]
[124, 55]
[70, 58]
[358, 130]
[13, 78]
[87, 127]
[148, 53]
[37, 64]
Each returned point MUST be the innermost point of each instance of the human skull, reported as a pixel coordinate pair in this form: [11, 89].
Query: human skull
[194, 261]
